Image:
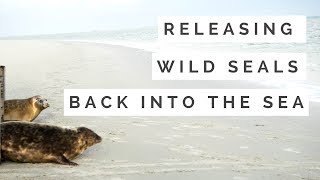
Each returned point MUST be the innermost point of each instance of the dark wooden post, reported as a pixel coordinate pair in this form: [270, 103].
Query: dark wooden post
[2, 97]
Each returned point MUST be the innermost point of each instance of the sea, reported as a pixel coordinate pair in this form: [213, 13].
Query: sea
[146, 39]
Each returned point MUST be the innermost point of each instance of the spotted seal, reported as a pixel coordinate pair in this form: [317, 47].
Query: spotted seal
[41, 143]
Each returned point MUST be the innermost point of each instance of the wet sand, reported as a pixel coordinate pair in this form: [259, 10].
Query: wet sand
[153, 147]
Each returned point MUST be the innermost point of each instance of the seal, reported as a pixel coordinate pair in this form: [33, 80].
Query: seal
[41, 143]
[24, 109]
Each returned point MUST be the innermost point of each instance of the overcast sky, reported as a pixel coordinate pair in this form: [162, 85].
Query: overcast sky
[24, 17]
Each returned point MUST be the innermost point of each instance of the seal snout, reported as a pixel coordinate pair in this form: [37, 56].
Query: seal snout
[46, 105]
[98, 139]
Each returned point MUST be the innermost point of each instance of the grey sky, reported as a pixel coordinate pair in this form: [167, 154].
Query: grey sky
[21, 17]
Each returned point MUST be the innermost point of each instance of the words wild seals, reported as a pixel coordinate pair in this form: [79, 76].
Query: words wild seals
[40, 143]
[24, 109]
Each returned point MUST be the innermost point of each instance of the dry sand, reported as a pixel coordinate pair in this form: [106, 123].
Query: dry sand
[153, 147]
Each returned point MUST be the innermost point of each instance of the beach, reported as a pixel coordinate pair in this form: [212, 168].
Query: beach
[139, 148]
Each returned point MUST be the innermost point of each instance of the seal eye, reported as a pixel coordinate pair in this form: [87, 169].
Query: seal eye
[40, 101]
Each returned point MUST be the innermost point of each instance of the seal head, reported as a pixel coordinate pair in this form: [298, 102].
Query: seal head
[41, 102]
[88, 136]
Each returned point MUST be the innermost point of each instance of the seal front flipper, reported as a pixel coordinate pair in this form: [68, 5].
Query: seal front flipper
[60, 159]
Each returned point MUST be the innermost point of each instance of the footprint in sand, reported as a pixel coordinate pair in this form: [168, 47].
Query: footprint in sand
[216, 137]
[239, 178]
[187, 149]
[292, 150]
[246, 136]
[244, 147]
